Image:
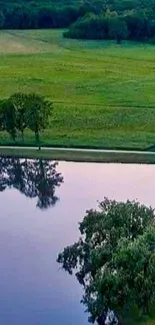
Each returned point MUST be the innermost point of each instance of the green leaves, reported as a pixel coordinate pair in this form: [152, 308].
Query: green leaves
[135, 264]
[38, 112]
[114, 257]
[8, 117]
[19, 102]
[22, 111]
[118, 29]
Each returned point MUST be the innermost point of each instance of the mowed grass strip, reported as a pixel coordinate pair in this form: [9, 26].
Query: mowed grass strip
[79, 156]
[103, 93]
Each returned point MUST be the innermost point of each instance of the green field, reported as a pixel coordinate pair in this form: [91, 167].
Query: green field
[103, 93]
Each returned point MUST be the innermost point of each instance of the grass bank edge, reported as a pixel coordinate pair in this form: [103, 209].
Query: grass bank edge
[29, 143]
[79, 156]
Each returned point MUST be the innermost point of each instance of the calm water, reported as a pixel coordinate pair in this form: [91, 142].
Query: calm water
[35, 226]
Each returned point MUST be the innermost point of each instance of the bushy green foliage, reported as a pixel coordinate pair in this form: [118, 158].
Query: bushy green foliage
[22, 111]
[38, 111]
[19, 104]
[90, 26]
[131, 24]
[135, 265]
[114, 258]
[8, 117]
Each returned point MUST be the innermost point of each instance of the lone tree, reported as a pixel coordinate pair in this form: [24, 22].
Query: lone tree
[113, 239]
[38, 112]
[118, 29]
[22, 111]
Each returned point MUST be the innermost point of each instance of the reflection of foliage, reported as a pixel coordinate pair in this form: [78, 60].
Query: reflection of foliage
[112, 258]
[34, 178]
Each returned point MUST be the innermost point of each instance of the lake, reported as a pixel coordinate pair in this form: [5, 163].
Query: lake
[40, 206]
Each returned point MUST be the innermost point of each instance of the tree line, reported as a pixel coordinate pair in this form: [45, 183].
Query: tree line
[33, 17]
[21, 111]
[94, 19]
[40, 14]
[137, 25]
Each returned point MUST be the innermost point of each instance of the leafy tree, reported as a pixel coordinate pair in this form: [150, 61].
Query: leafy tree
[19, 101]
[8, 117]
[25, 110]
[90, 26]
[38, 112]
[138, 24]
[96, 256]
[118, 29]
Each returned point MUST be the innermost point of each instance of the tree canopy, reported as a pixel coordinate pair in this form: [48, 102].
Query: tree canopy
[137, 25]
[38, 111]
[21, 111]
[114, 258]
[8, 117]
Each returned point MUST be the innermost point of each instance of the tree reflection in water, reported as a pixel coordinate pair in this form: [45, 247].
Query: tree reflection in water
[34, 178]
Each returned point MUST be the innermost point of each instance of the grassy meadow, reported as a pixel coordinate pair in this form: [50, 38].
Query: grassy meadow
[103, 93]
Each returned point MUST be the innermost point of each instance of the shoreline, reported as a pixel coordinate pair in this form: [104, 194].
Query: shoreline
[80, 155]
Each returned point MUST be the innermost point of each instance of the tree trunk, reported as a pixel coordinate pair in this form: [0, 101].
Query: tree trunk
[38, 139]
[13, 134]
[146, 305]
[119, 40]
[22, 135]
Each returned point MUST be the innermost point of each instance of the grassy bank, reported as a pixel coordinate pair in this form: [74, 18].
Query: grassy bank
[146, 321]
[80, 156]
[143, 320]
[103, 93]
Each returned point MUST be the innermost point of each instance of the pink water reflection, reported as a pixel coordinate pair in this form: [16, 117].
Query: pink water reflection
[33, 290]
